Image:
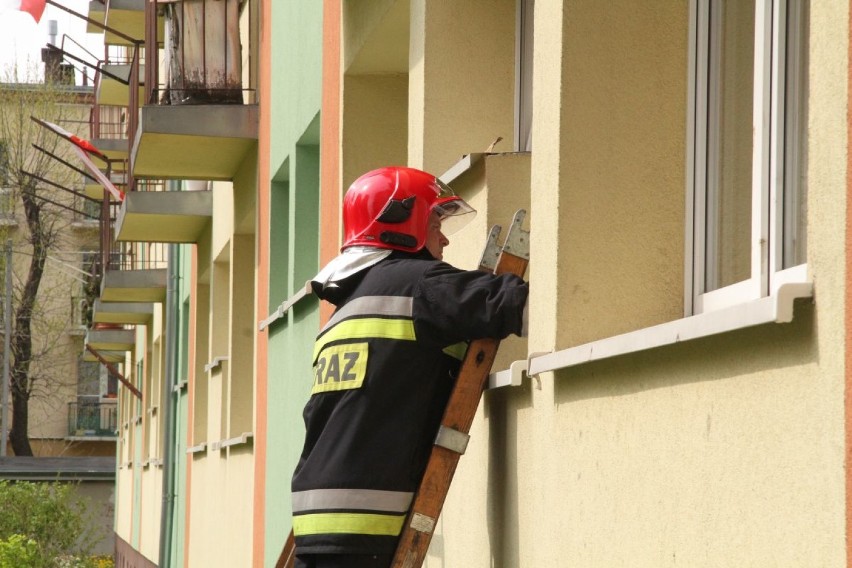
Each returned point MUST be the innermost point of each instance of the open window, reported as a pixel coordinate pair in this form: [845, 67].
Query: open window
[748, 152]
[523, 75]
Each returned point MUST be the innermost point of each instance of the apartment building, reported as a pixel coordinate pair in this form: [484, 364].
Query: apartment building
[72, 407]
[683, 166]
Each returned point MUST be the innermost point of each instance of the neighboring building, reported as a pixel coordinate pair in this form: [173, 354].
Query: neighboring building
[72, 411]
[684, 167]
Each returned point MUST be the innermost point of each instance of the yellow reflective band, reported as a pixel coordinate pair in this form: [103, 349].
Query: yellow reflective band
[340, 367]
[348, 523]
[457, 350]
[363, 328]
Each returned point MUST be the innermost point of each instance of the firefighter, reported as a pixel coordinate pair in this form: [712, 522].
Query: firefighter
[385, 363]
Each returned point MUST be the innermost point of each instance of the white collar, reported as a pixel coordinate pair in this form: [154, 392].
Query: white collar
[349, 262]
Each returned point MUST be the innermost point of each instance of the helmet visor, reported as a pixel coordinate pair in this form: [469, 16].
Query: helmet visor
[454, 213]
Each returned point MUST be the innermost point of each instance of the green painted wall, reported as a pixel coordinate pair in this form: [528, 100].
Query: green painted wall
[294, 247]
[296, 74]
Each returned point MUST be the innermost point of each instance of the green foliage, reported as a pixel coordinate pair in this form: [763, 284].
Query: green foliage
[46, 521]
[86, 562]
[102, 562]
[18, 551]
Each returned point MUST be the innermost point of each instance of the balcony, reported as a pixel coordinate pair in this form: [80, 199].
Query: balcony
[109, 133]
[204, 142]
[97, 12]
[116, 340]
[113, 86]
[129, 313]
[91, 420]
[164, 216]
[206, 121]
[146, 285]
[124, 16]
[95, 190]
[108, 356]
[135, 272]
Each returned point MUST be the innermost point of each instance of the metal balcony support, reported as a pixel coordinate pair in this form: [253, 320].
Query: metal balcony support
[114, 372]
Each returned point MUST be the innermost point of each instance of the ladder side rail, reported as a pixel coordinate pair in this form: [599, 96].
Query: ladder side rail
[459, 414]
[288, 553]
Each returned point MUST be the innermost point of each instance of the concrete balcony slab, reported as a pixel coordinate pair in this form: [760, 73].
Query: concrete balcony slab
[122, 312]
[134, 286]
[113, 148]
[108, 356]
[164, 216]
[201, 142]
[111, 339]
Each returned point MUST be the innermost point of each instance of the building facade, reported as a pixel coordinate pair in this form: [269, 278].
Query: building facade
[683, 166]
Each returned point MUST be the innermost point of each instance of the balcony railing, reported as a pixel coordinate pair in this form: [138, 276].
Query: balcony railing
[95, 419]
[203, 63]
[108, 121]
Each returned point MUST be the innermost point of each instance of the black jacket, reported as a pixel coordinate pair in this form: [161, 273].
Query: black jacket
[384, 366]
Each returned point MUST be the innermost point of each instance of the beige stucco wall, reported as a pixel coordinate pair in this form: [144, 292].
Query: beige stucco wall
[375, 110]
[461, 80]
[151, 507]
[220, 497]
[124, 502]
[223, 216]
[222, 478]
[723, 451]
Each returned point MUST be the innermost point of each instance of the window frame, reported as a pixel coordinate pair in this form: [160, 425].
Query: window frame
[768, 162]
[524, 38]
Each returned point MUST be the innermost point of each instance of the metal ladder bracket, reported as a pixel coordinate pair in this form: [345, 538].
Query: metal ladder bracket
[491, 252]
[452, 440]
[518, 239]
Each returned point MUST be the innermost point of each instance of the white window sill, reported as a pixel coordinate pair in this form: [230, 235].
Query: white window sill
[244, 438]
[196, 449]
[777, 308]
[215, 363]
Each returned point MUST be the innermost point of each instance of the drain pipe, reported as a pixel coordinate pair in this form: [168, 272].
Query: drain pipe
[167, 512]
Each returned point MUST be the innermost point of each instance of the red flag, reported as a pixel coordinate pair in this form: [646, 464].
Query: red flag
[83, 149]
[82, 143]
[95, 171]
[34, 8]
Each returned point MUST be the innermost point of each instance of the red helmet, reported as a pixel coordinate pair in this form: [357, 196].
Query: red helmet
[390, 208]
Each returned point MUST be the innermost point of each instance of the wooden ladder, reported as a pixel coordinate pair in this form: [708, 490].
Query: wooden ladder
[451, 440]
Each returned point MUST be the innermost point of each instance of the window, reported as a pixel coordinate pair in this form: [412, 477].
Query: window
[5, 175]
[748, 154]
[523, 75]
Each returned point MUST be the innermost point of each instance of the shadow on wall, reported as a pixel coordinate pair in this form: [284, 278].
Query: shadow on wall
[502, 408]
